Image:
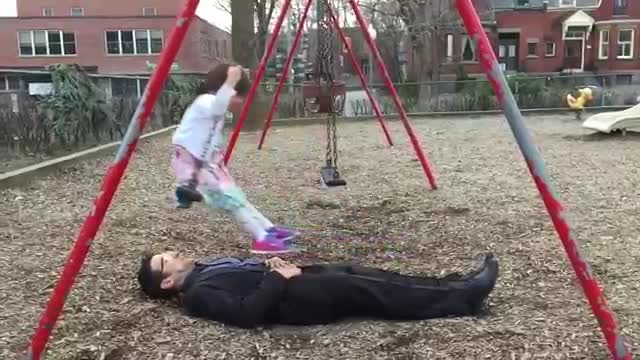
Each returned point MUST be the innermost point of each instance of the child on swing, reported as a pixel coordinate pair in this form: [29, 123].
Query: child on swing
[198, 164]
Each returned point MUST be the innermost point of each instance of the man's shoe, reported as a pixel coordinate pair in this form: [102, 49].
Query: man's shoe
[479, 283]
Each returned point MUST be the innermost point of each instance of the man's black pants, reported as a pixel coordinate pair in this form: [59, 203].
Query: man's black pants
[327, 293]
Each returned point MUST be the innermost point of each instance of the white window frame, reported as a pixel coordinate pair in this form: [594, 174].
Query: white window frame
[144, 11]
[546, 54]
[44, 11]
[449, 47]
[465, 39]
[4, 83]
[135, 45]
[533, 41]
[33, 43]
[76, 8]
[629, 43]
[602, 44]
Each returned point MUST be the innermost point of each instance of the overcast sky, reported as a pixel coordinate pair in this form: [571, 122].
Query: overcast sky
[207, 10]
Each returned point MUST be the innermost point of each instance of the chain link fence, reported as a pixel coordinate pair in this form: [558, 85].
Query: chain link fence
[531, 92]
[24, 128]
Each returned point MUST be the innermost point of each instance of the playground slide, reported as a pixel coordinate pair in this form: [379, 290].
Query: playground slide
[615, 120]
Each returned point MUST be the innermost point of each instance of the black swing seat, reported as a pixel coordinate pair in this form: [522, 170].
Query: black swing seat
[330, 176]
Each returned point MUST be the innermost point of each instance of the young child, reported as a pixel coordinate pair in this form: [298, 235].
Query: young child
[198, 164]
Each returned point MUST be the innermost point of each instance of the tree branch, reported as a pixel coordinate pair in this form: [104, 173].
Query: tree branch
[223, 5]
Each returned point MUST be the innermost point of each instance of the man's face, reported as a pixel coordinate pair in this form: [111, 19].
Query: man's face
[172, 265]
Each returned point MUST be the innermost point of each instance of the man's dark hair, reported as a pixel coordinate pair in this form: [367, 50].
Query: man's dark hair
[216, 78]
[150, 280]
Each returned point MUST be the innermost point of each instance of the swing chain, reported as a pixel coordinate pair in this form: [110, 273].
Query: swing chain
[325, 71]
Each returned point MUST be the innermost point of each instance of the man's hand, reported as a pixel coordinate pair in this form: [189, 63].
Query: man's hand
[275, 263]
[288, 271]
[234, 74]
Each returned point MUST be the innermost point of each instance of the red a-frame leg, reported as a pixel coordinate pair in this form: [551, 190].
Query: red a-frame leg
[387, 79]
[287, 65]
[285, 71]
[256, 80]
[363, 80]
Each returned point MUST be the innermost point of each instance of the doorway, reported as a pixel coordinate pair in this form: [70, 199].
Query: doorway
[508, 46]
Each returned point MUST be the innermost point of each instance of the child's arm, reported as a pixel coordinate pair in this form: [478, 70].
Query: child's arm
[226, 91]
[219, 105]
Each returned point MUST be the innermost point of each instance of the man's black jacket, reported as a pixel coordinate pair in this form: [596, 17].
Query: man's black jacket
[248, 298]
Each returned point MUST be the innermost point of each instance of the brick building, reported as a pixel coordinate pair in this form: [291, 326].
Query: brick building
[106, 37]
[553, 36]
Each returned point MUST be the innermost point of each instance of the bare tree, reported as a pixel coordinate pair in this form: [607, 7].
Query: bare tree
[383, 15]
[249, 35]
[423, 22]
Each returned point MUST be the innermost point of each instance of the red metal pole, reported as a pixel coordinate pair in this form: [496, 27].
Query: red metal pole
[256, 80]
[283, 78]
[363, 80]
[396, 100]
[110, 184]
[535, 162]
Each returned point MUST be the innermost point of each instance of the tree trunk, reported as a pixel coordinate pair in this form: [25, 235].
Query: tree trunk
[423, 52]
[243, 34]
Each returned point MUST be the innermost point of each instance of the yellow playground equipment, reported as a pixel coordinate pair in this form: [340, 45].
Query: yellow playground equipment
[577, 104]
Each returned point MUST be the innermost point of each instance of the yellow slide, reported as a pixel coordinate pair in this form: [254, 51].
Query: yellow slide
[614, 120]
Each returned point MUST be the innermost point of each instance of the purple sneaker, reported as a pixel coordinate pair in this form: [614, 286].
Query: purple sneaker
[282, 233]
[272, 245]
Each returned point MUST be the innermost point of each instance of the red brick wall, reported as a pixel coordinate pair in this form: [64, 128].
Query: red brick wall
[613, 23]
[448, 69]
[28, 8]
[545, 26]
[91, 46]
[605, 11]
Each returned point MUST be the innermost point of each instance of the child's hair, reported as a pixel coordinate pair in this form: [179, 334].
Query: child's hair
[216, 78]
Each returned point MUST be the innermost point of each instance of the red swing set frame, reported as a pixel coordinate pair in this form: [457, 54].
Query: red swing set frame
[532, 157]
[381, 67]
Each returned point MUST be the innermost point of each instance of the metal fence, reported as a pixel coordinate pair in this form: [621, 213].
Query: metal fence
[531, 92]
[24, 129]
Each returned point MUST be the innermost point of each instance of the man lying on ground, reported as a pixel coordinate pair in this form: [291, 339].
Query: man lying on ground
[248, 292]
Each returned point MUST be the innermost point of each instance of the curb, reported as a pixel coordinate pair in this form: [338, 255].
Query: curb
[421, 116]
[23, 176]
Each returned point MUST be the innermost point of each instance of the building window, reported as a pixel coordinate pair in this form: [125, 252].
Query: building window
[449, 47]
[224, 48]
[603, 45]
[549, 49]
[522, 3]
[47, 43]
[9, 83]
[134, 42]
[567, 2]
[77, 11]
[620, 7]
[468, 49]
[149, 11]
[625, 44]
[47, 11]
[532, 48]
